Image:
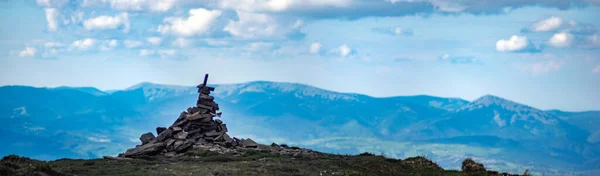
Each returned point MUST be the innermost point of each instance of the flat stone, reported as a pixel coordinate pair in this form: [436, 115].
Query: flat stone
[170, 142]
[160, 129]
[249, 143]
[201, 117]
[168, 133]
[212, 133]
[219, 121]
[177, 143]
[148, 149]
[224, 128]
[146, 138]
[181, 135]
[210, 108]
[176, 129]
[179, 123]
[227, 138]
[184, 146]
[170, 154]
[206, 97]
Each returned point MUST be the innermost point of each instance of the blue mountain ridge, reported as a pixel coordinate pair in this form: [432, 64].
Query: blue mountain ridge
[52, 123]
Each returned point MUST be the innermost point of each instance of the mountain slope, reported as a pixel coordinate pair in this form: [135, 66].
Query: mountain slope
[507, 134]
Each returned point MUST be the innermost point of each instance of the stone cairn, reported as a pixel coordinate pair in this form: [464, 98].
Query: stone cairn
[194, 128]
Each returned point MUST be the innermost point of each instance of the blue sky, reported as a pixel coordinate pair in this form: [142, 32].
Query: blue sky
[542, 53]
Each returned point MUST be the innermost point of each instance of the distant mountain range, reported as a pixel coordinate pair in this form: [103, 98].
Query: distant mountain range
[52, 123]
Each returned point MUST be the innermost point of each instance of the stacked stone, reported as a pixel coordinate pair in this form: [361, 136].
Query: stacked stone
[194, 127]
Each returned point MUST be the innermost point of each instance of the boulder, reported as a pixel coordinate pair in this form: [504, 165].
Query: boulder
[168, 133]
[148, 149]
[249, 143]
[146, 138]
[181, 135]
[470, 166]
[160, 129]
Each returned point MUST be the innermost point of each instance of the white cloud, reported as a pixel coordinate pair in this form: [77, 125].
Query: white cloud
[77, 17]
[28, 51]
[543, 67]
[51, 3]
[98, 139]
[53, 44]
[134, 5]
[344, 50]
[84, 44]
[182, 42]
[261, 26]
[43, 2]
[51, 15]
[213, 42]
[146, 52]
[514, 43]
[199, 22]
[113, 43]
[597, 69]
[108, 22]
[132, 43]
[315, 47]
[561, 40]
[280, 5]
[549, 24]
[169, 52]
[108, 45]
[162, 53]
[259, 46]
[154, 40]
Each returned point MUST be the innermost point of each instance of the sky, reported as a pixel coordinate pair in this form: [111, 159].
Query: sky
[543, 53]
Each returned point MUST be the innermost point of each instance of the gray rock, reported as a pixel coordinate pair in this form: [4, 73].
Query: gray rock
[177, 143]
[206, 97]
[201, 117]
[227, 139]
[176, 129]
[224, 128]
[249, 143]
[185, 146]
[170, 154]
[148, 149]
[168, 133]
[212, 133]
[219, 121]
[179, 123]
[170, 142]
[194, 131]
[181, 135]
[160, 129]
[147, 138]
[210, 108]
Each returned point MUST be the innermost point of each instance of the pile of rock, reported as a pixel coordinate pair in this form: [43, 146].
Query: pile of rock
[194, 127]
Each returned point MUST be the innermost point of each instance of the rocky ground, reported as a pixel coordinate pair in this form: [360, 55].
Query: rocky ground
[210, 160]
